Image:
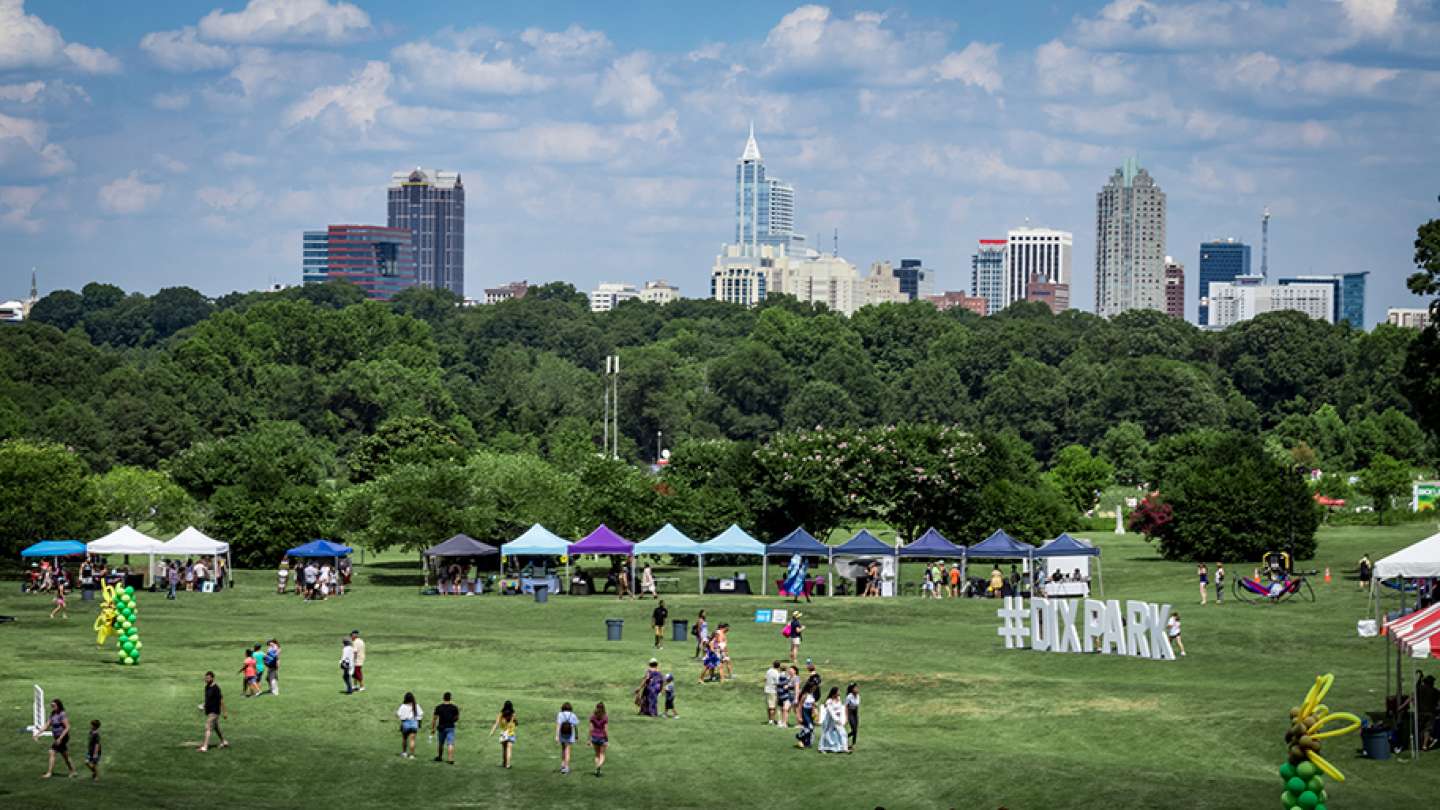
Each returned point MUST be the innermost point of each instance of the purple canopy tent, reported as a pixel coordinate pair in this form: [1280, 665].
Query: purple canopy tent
[604, 541]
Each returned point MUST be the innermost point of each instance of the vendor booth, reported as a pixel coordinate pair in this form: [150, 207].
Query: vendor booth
[931, 545]
[194, 543]
[733, 540]
[460, 547]
[1410, 626]
[127, 540]
[670, 540]
[1000, 546]
[605, 542]
[537, 541]
[1071, 556]
[55, 548]
[861, 550]
[796, 542]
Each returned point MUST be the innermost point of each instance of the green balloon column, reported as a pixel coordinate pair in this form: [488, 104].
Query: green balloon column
[1303, 773]
[127, 624]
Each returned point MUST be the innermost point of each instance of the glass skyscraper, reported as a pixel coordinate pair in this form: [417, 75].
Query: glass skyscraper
[1129, 243]
[1220, 260]
[431, 206]
[1348, 298]
[764, 206]
[916, 280]
[987, 274]
[380, 261]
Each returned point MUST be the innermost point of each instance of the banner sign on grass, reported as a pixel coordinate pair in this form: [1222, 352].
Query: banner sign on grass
[1087, 626]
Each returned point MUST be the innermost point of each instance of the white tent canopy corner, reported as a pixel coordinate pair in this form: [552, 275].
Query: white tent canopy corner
[128, 540]
[1412, 562]
[193, 542]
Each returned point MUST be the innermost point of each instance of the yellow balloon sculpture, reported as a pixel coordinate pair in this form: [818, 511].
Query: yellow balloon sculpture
[1310, 723]
[105, 622]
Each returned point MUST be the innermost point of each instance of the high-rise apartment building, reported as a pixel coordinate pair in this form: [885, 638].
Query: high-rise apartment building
[1129, 242]
[987, 274]
[380, 261]
[916, 280]
[1348, 297]
[1232, 302]
[431, 205]
[1220, 260]
[1174, 288]
[609, 295]
[1033, 252]
[764, 206]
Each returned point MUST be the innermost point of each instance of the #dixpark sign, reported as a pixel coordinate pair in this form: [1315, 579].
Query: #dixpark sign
[1089, 625]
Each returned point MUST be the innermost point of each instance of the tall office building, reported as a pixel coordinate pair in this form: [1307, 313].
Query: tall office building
[883, 286]
[1248, 296]
[987, 274]
[745, 279]
[380, 261]
[764, 206]
[1129, 242]
[1174, 288]
[1042, 290]
[1220, 260]
[823, 279]
[1348, 299]
[916, 280]
[1033, 252]
[431, 205]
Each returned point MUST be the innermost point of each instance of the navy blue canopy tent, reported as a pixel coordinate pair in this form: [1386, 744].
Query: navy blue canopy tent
[1067, 546]
[863, 544]
[1001, 546]
[796, 542]
[932, 546]
[320, 548]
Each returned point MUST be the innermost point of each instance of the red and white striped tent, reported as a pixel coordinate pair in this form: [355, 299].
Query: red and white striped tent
[1418, 633]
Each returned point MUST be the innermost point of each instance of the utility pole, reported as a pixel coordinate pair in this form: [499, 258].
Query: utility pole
[1265, 244]
[612, 406]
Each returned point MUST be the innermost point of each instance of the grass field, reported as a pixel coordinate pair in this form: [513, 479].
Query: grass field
[951, 719]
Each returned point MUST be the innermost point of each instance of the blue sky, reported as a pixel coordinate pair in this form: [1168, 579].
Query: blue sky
[166, 142]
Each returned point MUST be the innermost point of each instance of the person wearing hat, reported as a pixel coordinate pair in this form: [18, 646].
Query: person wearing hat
[796, 630]
[359, 672]
[812, 680]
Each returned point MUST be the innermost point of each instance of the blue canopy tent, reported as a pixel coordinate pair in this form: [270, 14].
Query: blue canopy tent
[1000, 546]
[320, 548]
[537, 541]
[1067, 546]
[55, 548]
[931, 545]
[733, 540]
[863, 544]
[670, 540]
[796, 542]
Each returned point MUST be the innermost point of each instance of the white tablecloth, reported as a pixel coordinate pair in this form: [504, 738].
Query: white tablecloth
[1058, 589]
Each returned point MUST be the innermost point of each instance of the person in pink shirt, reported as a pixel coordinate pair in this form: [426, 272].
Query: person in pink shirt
[599, 735]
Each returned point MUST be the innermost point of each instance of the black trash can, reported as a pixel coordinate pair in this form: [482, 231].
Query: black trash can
[612, 629]
[1375, 741]
[542, 593]
[87, 594]
[679, 629]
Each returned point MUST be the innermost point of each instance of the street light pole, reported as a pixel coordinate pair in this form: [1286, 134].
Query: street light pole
[659, 437]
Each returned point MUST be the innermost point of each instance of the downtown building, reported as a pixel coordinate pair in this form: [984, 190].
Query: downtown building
[609, 295]
[1129, 243]
[1039, 254]
[1221, 260]
[987, 274]
[1348, 294]
[380, 261]
[1408, 317]
[430, 205]
[1174, 288]
[1246, 297]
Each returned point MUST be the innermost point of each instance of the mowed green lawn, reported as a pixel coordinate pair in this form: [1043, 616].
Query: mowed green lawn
[951, 719]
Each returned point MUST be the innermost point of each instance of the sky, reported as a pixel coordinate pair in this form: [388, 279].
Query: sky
[175, 143]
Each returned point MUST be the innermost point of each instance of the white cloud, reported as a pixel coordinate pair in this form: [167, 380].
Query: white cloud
[302, 21]
[1214, 177]
[28, 41]
[420, 120]
[1139, 24]
[23, 93]
[129, 195]
[574, 42]
[1371, 17]
[171, 165]
[25, 149]
[181, 51]
[437, 68]
[1295, 82]
[238, 160]
[628, 86]
[16, 204]
[811, 40]
[1062, 70]
[558, 143]
[170, 101]
[355, 103]
[978, 65]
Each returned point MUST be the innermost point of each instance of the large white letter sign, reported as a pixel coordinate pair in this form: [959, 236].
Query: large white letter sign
[1073, 626]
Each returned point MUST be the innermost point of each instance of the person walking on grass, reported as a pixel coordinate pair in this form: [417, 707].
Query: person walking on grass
[648, 694]
[722, 646]
[670, 697]
[806, 734]
[1365, 570]
[249, 684]
[359, 673]
[260, 671]
[172, 579]
[1204, 574]
[92, 751]
[599, 735]
[59, 602]
[59, 738]
[657, 618]
[281, 574]
[710, 664]
[852, 713]
[1172, 629]
[347, 664]
[790, 696]
[701, 633]
[272, 666]
[647, 583]
[214, 709]
[832, 724]
[566, 726]
[505, 724]
[409, 715]
[1220, 583]
[772, 692]
[442, 727]
[796, 631]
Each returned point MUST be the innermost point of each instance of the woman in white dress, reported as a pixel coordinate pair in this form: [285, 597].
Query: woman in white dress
[832, 725]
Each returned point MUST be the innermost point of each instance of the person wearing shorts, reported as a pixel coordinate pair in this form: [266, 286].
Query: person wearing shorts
[566, 726]
[599, 735]
[59, 738]
[358, 675]
[442, 725]
[505, 723]
[92, 750]
[214, 709]
[409, 715]
[772, 692]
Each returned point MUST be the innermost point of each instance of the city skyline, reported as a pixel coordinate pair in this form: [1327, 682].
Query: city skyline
[132, 142]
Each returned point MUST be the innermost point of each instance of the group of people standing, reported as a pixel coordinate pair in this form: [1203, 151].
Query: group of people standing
[192, 574]
[787, 696]
[313, 580]
[261, 665]
[1202, 572]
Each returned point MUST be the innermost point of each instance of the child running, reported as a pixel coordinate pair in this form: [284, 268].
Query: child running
[1172, 629]
[59, 602]
[92, 750]
[505, 722]
[566, 724]
[599, 735]
[250, 685]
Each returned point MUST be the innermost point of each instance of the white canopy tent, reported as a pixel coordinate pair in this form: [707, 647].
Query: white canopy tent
[128, 540]
[194, 543]
[1417, 561]
[1412, 562]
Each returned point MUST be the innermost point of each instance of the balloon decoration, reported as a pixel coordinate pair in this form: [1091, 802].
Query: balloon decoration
[120, 615]
[1303, 772]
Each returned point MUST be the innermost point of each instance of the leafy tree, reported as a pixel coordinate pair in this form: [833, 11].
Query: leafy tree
[1391, 433]
[1385, 481]
[1230, 500]
[1125, 448]
[403, 440]
[175, 308]
[48, 496]
[62, 309]
[1080, 476]
[131, 495]
[1334, 485]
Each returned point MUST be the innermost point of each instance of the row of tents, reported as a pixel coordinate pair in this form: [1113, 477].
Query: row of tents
[539, 541]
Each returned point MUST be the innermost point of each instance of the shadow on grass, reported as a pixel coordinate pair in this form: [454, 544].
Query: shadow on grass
[411, 580]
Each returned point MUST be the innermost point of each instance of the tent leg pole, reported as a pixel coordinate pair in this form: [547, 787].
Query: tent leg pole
[764, 572]
[700, 580]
